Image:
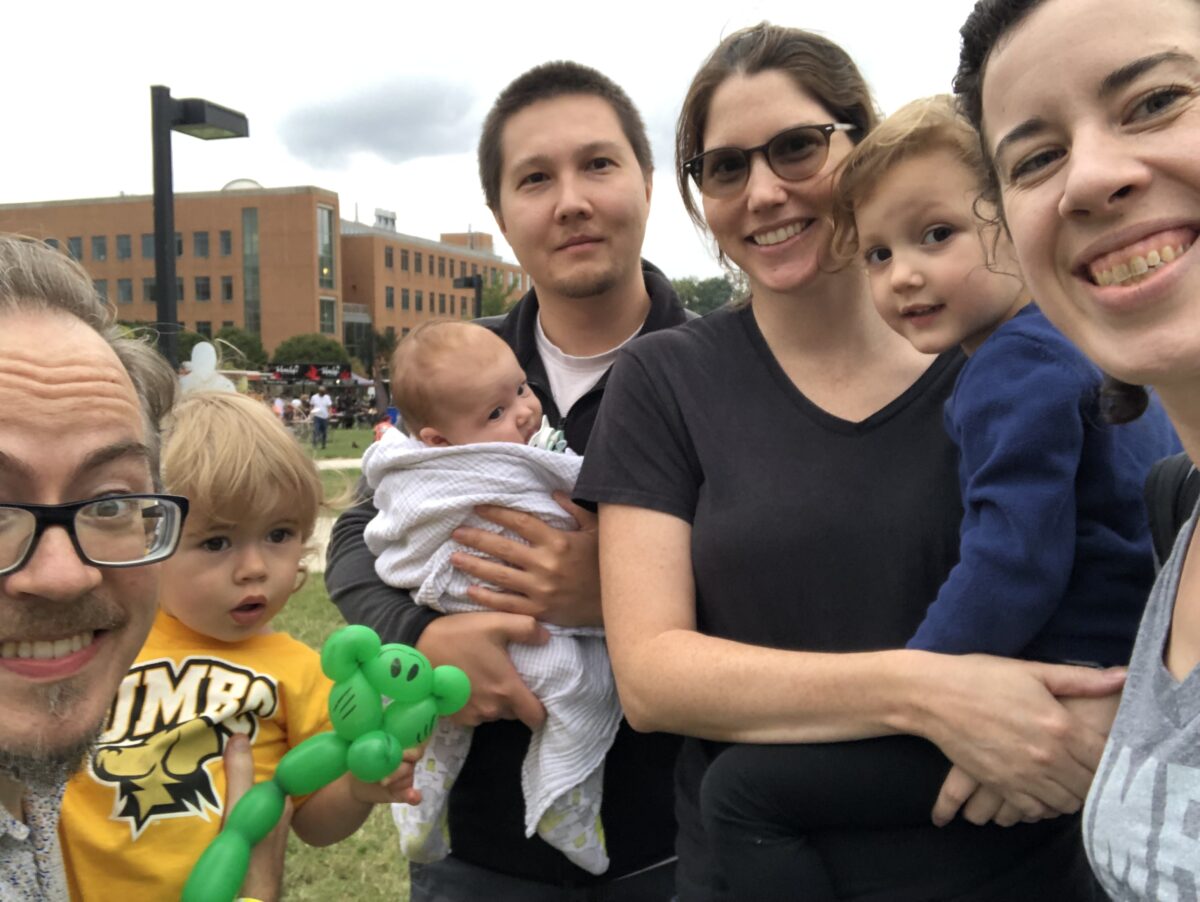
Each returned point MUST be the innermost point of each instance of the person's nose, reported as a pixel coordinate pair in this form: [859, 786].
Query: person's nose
[905, 277]
[530, 411]
[764, 189]
[251, 564]
[1102, 170]
[574, 198]
[54, 571]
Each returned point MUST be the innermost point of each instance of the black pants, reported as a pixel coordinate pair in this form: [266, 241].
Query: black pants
[852, 820]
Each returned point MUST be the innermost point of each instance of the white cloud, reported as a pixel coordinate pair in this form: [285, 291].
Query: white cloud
[332, 90]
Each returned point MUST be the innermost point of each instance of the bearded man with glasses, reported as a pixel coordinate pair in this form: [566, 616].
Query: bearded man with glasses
[79, 520]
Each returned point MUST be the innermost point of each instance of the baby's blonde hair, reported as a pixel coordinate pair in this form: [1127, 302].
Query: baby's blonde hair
[230, 456]
[419, 358]
[920, 127]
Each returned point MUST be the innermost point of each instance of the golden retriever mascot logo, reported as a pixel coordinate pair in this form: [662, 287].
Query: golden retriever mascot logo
[163, 776]
[167, 727]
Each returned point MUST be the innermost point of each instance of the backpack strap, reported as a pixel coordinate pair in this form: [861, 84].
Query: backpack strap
[1172, 490]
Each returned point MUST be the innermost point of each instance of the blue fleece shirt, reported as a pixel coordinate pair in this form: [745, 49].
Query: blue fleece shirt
[1055, 560]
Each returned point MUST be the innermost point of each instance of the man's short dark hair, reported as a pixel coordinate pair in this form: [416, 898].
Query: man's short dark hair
[545, 82]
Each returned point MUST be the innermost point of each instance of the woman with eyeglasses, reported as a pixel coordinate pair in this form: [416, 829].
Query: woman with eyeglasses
[778, 504]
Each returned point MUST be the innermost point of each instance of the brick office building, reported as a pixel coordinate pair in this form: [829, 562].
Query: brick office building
[399, 281]
[275, 261]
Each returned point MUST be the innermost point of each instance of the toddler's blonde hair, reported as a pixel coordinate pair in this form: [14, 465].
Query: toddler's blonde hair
[920, 127]
[230, 456]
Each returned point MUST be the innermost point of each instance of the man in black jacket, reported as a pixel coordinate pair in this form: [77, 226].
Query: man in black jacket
[566, 169]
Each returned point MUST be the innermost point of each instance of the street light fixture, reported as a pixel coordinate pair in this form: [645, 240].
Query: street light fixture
[200, 119]
[473, 281]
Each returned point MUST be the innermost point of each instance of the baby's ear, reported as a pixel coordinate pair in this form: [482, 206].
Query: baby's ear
[431, 437]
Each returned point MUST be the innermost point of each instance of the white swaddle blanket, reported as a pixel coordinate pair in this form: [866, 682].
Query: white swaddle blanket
[423, 494]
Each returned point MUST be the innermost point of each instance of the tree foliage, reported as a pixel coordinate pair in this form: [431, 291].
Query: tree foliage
[499, 295]
[383, 346]
[246, 353]
[310, 348]
[704, 295]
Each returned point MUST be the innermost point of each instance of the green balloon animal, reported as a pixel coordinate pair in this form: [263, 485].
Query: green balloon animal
[368, 740]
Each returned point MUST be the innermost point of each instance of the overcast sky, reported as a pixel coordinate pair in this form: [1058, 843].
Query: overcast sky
[381, 102]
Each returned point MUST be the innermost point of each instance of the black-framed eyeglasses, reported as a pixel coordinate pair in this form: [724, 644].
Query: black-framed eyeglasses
[794, 154]
[114, 531]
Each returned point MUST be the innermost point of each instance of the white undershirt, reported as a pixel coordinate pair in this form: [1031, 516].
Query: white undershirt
[572, 377]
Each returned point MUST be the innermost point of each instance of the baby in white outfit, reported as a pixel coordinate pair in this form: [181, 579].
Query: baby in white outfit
[476, 435]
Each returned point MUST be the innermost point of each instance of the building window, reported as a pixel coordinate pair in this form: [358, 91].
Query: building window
[417, 263]
[417, 302]
[442, 267]
[389, 297]
[204, 327]
[203, 288]
[227, 289]
[251, 298]
[75, 248]
[199, 244]
[124, 291]
[148, 290]
[99, 247]
[227, 324]
[179, 244]
[388, 260]
[101, 286]
[474, 269]
[403, 298]
[179, 288]
[441, 303]
[226, 243]
[452, 305]
[325, 246]
[403, 260]
[147, 245]
[462, 268]
[404, 331]
[328, 316]
[391, 331]
[52, 242]
[463, 312]
[124, 247]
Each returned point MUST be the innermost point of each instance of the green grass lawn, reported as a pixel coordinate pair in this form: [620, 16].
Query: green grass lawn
[368, 865]
[343, 443]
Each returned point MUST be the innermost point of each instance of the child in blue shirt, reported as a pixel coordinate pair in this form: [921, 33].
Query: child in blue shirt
[1054, 558]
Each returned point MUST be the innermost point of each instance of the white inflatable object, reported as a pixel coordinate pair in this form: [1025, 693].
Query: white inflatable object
[202, 372]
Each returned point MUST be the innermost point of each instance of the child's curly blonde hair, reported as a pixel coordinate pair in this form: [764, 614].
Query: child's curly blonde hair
[230, 456]
[920, 127]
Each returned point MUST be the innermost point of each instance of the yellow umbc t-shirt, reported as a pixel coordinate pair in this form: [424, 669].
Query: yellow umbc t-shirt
[149, 799]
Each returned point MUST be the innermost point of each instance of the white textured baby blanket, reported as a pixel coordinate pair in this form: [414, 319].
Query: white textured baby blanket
[423, 494]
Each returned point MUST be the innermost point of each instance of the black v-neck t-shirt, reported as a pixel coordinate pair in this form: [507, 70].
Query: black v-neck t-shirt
[808, 531]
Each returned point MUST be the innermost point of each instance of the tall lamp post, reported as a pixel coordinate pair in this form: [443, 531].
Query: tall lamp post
[200, 119]
[473, 281]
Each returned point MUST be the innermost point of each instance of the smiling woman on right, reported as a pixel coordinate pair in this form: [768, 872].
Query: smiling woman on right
[1091, 120]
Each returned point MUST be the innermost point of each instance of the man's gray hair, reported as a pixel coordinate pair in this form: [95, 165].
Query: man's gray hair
[35, 277]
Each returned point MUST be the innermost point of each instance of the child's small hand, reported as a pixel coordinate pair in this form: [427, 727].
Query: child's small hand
[395, 787]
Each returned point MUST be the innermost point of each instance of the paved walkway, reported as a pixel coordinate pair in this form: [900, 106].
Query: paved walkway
[320, 536]
[340, 463]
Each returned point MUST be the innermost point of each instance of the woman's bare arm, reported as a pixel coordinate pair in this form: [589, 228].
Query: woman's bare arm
[996, 718]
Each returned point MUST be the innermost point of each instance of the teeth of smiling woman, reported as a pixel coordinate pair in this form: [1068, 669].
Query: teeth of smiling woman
[1132, 268]
[46, 651]
[777, 235]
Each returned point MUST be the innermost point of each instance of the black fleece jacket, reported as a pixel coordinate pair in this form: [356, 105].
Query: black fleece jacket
[486, 806]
